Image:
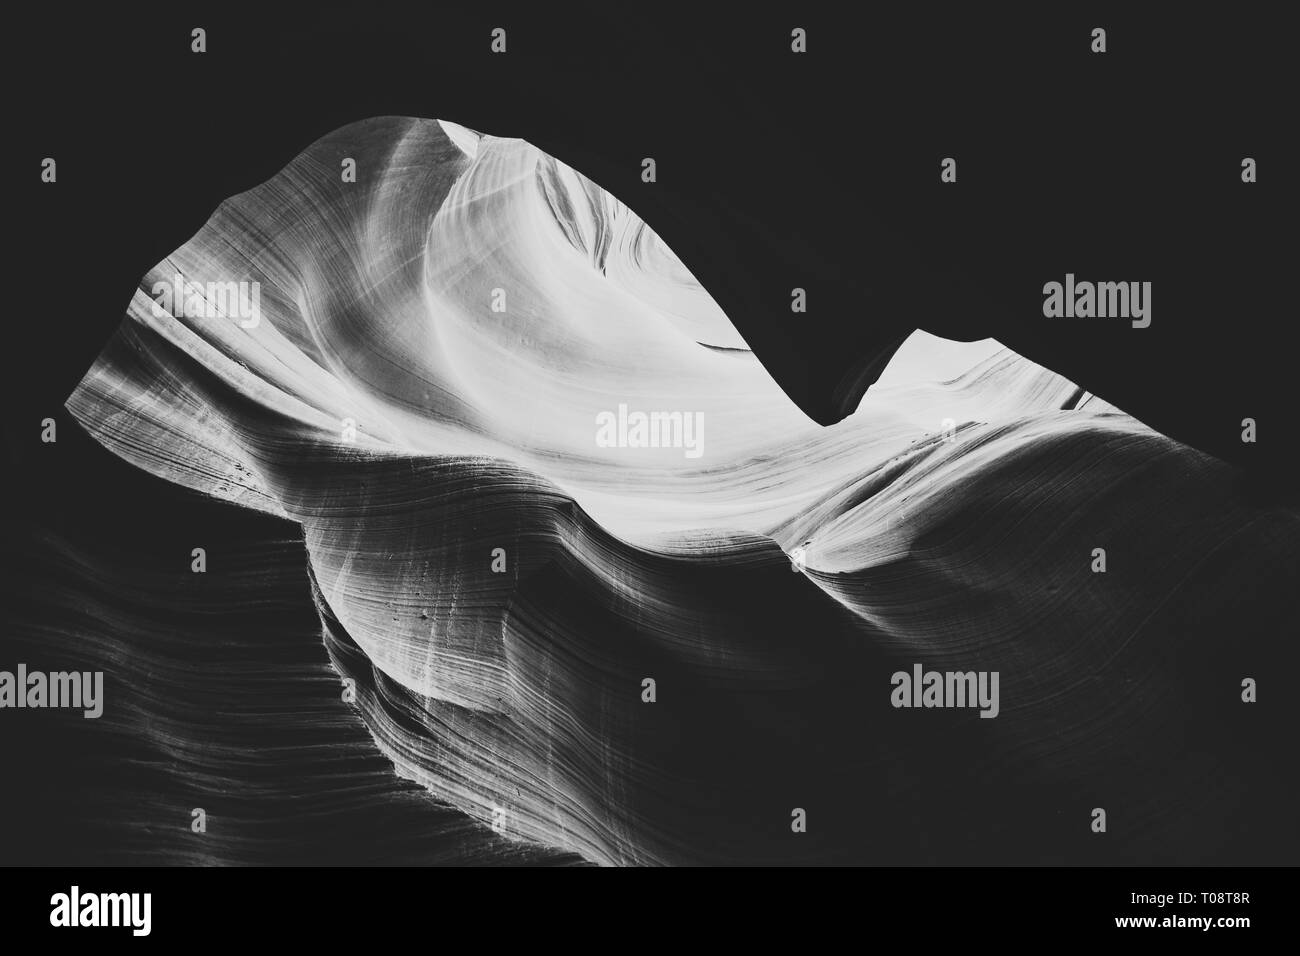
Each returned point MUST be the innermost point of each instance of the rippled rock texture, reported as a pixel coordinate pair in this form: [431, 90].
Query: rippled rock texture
[426, 392]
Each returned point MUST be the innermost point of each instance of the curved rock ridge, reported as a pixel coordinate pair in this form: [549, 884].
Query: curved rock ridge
[437, 346]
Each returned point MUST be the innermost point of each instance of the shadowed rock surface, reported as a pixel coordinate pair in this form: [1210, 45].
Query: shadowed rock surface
[949, 521]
